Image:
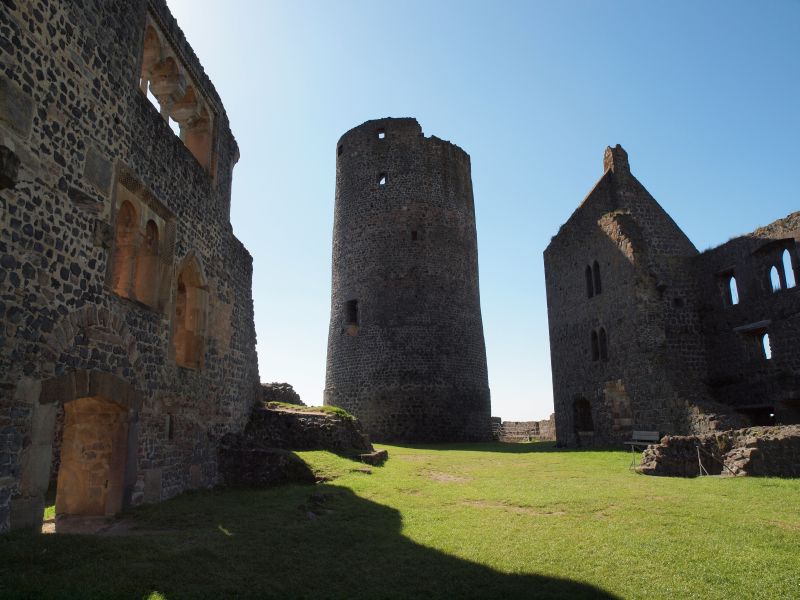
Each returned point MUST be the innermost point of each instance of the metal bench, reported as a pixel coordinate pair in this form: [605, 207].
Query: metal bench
[641, 439]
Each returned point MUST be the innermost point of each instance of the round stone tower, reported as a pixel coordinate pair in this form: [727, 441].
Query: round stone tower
[405, 346]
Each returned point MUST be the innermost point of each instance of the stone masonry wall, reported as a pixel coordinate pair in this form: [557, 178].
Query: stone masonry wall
[619, 270]
[86, 137]
[406, 353]
[759, 451]
[682, 355]
[527, 431]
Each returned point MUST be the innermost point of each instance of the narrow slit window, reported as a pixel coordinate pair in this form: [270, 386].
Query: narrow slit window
[589, 282]
[595, 347]
[381, 134]
[765, 344]
[775, 278]
[351, 312]
[603, 343]
[596, 272]
[788, 269]
[382, 179]
[733, 290]
[414, 236]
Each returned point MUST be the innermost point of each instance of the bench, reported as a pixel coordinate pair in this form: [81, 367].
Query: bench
[641, 439]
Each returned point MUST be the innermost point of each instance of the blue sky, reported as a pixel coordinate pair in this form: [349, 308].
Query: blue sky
[704, 96]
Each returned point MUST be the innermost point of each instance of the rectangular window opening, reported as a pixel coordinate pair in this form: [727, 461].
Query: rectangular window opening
[382, 179]
[414, 236]
[381, 134]
[351, 312]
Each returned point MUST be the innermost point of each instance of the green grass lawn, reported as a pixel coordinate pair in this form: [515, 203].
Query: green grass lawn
[480, 521]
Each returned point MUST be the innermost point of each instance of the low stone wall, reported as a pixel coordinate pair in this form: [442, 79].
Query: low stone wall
[301, 430]
[524, 431]
[758, 451]
[261, 455]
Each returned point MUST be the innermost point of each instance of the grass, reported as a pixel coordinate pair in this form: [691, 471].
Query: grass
[331, 410]
[478, 521]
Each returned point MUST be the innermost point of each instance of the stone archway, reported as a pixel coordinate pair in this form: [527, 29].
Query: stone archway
[98, 453]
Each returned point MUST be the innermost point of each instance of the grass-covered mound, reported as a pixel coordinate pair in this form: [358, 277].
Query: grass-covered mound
[328, 410]
[479, 521]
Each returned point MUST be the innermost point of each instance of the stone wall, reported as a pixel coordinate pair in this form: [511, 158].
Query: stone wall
[406, 351]
[758, 451]
[260, 455]
[644, 336]
[526, 431]
[118, 267]
[303, 429]
[280, 392]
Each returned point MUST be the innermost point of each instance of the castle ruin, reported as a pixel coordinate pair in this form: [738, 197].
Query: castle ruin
[406, 353]
[647, 333]
[127, 343]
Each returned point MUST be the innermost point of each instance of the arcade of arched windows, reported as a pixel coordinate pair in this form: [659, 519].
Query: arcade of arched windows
[167, 83]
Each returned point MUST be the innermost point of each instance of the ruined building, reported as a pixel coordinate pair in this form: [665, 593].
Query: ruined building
[127, 345]
[406, 353]
[647, 333]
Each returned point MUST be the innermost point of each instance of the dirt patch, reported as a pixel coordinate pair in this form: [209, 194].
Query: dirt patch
[447, 477]
[513, 508]
[785, 525]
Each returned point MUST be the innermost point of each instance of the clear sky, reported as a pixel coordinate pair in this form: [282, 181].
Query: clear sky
[704, 96]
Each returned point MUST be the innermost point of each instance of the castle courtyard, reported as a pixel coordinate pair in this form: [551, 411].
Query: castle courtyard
[470, 521]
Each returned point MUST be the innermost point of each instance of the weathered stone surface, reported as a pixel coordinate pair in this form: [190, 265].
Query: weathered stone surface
[406, 352]
[757, 451]
[375, 458]
[644, 330]
[16, 107]
[280, 392]
[117, 258]
[301, 430]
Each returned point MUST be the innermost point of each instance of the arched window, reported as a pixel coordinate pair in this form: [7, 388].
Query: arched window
[596, 271]
[603, 342]
[148, 267]
[583, 415]
[124, 265]
[765, 344]
[733, 290]
[775, 278]
[191, 305]
[595, 346]
[589, 282]
[788, 269]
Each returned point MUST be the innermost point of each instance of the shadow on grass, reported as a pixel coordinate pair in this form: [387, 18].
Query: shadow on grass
[286, 542]
[504, 447]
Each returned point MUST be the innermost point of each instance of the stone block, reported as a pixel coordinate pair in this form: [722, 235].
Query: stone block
[98, 170]
[152, 485]
[28, 390]
[16, 108]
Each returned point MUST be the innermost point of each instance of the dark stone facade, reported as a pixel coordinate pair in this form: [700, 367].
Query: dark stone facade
[406, 352]
[94, 305]
[645, 333]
